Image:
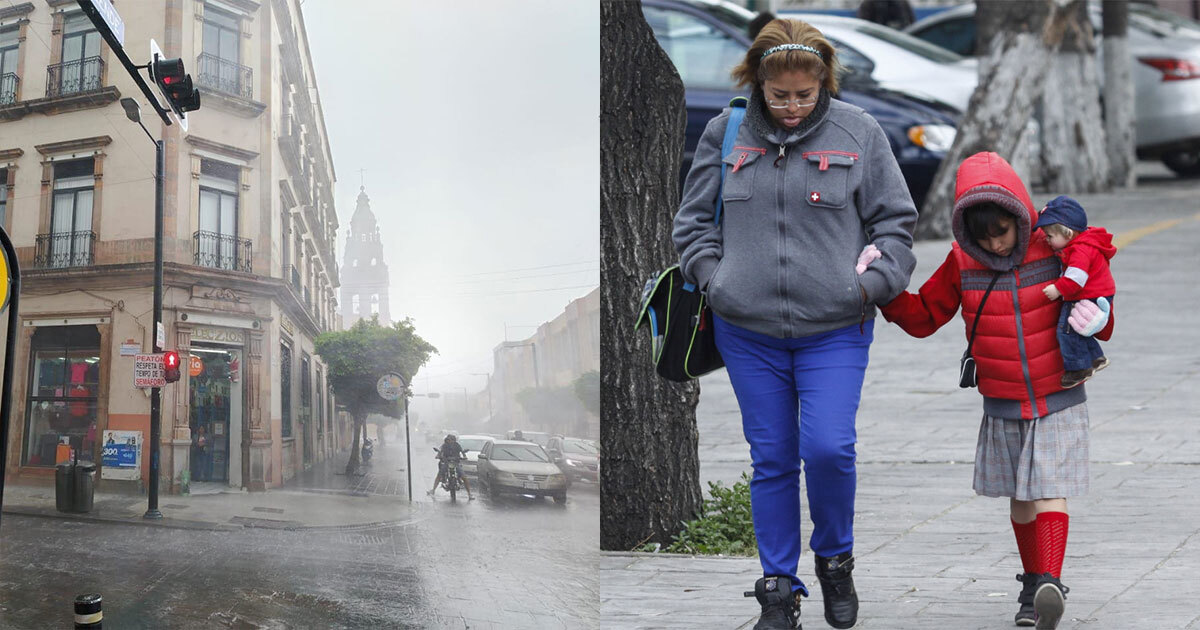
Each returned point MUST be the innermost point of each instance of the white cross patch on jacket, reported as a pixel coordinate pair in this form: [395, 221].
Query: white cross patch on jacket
[814, 196]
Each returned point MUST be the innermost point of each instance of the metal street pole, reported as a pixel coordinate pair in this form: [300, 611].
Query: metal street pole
[408, 447]
[156, 392]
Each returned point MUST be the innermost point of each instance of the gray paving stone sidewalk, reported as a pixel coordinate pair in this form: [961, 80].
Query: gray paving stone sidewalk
[931, 553]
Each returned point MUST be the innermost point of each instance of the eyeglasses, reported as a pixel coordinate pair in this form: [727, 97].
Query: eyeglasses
[802, 103]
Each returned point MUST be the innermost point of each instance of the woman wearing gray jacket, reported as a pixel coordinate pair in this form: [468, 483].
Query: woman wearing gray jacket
[810, 182]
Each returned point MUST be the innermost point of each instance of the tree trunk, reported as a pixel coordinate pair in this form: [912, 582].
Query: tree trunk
[360, 426]
[650, 477]
[1020, 38]
[1118, 95]
[1074, 156]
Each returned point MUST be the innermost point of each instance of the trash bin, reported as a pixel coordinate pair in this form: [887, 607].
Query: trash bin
[64, 487]
[85, 486]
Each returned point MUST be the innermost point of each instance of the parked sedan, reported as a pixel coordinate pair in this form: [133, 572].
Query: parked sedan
[706, 38]
[512, 467]
[577, 458]
[1166, 75]
[473, 445]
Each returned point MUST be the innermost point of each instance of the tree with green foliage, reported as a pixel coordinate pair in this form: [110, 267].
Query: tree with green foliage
[358, 357]
[587, 390]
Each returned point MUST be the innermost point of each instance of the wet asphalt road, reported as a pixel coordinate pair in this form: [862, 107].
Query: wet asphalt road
[516, 562]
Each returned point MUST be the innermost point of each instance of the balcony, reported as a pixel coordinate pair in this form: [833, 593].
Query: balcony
[225, 76]
[59, 250]
[222, 251]
[74, 77]
[8, 88]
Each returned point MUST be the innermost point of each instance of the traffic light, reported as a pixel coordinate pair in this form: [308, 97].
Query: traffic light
[171, 366]
[176, 84]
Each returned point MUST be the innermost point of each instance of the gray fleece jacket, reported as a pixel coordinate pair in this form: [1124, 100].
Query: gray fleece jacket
[800, 205]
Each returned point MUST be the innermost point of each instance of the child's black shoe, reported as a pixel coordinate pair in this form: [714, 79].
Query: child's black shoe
[780, 606]
[1026, 615]
[1099, 364]
[1049, 600]
[1071, 378]
[837, 587]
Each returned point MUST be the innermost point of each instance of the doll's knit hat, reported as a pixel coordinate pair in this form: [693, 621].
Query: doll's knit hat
[1064, 211]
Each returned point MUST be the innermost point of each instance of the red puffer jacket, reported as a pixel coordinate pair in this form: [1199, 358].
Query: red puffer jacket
[1016, 351]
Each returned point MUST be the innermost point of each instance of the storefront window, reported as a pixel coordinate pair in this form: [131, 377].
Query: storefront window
[64, 384]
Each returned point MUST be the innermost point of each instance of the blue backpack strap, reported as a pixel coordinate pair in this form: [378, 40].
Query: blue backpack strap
[737, 112]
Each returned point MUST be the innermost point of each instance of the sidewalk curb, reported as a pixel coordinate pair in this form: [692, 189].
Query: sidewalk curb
[172, 523]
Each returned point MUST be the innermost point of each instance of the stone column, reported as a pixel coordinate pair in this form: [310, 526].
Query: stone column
[178, 414]
[257, 434]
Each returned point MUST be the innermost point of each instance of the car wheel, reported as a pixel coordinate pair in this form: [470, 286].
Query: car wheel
[560, 497]
[1185, 163]
[493, 490]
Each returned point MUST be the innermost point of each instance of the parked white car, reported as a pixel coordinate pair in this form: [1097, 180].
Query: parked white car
[902, 62]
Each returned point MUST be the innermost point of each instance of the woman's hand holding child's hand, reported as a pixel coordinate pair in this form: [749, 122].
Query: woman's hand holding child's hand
[1051, 292]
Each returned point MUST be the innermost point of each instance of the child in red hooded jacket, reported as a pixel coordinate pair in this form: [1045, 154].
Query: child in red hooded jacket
[1033, 438]
[1085, 252]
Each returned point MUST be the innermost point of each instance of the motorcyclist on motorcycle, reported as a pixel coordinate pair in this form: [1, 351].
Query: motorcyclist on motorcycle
[451, 455]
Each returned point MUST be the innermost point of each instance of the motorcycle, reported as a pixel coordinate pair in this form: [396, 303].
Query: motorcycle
[449, 474]
[368, 448]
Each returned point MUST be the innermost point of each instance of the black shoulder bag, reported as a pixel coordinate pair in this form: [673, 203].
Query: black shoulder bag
[966, 368]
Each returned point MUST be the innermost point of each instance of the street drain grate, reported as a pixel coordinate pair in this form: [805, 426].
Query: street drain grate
[265, 523]
[271, 510]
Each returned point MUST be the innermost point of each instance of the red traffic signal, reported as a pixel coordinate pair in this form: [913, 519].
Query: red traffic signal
[175, 84]
[171, 366]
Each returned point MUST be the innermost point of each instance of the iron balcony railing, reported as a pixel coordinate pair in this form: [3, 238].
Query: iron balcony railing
[65, 249]
[224, 75]
[295, 278]
[74, 77]
[8, 88]
[222, 251]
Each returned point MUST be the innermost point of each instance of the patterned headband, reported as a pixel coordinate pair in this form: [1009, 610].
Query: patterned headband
[775, 49]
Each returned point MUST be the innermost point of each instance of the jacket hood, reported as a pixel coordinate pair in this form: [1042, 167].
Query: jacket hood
[1098, 238]
[988, 177]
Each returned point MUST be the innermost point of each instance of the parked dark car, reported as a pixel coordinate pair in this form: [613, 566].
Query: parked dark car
[705, 39]
[577, 458]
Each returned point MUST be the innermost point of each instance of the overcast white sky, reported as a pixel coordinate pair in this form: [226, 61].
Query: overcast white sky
[478, 126]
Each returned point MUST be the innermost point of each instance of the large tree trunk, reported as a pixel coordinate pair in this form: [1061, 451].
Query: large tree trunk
[1118, 94]
[360, 427]
[650, 479]
[1074, 152]
[1020, 38]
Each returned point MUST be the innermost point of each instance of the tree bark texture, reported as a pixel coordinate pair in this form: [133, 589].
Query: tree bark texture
[650, 479]
[360, 426]
[1074, 153]
[1119, 112]
[1020, 38]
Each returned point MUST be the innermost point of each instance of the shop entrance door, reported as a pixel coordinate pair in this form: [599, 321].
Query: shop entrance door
[216, 414]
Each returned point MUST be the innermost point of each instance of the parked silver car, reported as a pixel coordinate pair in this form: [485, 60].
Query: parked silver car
[1166, 75]
[473, 445]
[509, 466]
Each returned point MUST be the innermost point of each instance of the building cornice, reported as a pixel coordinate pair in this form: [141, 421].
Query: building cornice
[24, 8]
[11, 154]
[73, 146]
[223, 149]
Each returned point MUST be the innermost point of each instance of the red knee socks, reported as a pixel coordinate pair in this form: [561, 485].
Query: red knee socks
[1051, 528]
[1027, 545]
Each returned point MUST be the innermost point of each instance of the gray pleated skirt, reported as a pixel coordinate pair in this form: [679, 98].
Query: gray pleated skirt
[1044, 458]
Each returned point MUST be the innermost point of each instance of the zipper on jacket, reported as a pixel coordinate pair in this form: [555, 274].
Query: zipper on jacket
[782, 152]
[824, 155]
[1021, 349]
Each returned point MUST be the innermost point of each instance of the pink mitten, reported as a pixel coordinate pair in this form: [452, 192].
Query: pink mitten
[1087, 317]
[869, 253]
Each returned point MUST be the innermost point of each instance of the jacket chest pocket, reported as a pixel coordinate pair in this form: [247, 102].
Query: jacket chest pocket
[828, 177]
[740, 166]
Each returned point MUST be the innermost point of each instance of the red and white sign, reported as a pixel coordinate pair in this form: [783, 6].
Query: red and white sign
[148, 370]
[814, 196]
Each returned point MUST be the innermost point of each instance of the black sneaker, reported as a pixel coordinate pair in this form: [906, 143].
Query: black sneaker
[780, 606]
[837, 588]
[1071, 378]
[1048, 601]
[1026, 615]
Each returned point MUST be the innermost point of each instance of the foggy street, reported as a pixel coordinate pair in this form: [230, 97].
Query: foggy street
[513, 562]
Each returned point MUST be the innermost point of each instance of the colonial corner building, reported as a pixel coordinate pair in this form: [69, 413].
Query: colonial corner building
[250, 272]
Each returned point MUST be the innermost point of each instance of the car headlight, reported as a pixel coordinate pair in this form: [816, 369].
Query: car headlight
[505, 475]
[558, 477]
[932, 137]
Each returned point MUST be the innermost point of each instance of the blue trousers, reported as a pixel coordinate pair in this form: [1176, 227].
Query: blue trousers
[1078, 351]
[798, 398]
